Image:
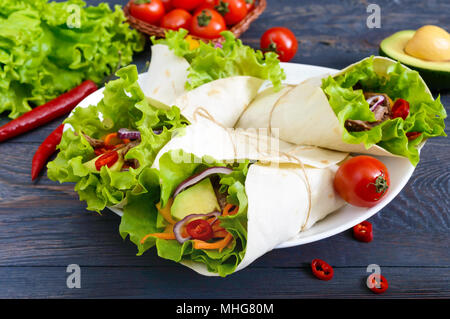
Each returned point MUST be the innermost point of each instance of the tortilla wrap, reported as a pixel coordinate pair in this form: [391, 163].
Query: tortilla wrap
[278, 199]
[303, 115]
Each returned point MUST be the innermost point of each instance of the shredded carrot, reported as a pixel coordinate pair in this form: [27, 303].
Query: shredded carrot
[230, 209]
[220, 245]
[220, 234]
[158, 235]
[113, 139]
[165, 212]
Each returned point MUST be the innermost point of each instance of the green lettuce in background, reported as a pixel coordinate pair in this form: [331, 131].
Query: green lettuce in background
[47, 49]
[209, 63]
[141, 216]
[426, 114]
[123, 106]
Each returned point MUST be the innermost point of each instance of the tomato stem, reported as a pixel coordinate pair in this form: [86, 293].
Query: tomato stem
[204, 19]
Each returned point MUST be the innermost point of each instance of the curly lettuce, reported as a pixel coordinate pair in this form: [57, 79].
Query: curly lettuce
[141, 217]
[123, 106]
[426, 114]
[209, 63]
[47, 49]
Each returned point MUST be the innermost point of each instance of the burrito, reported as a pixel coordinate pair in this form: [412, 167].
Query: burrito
[105, 146]
[376, 106]
[216, 207]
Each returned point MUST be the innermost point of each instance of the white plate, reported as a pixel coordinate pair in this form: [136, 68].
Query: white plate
[400, 170]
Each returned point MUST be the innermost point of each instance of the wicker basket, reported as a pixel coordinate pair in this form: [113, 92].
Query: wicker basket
[237, 29]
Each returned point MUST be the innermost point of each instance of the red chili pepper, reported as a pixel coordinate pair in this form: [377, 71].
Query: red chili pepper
[108, 159]
[375, 280]
[45, 150]
[363, 232]
[47, 112]
[413, 135]
[321, 269]
[200, 229]
[400, 109]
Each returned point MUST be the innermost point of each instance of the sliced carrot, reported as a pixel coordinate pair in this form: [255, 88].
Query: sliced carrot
[220, 245]
[109, 138]
[165, 212]
[158, 235]
[230, 209]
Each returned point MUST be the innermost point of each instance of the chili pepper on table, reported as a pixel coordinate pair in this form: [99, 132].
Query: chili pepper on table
[377, 285]
[47, 112]
[45, 150]
[363, 232]
[321, 269]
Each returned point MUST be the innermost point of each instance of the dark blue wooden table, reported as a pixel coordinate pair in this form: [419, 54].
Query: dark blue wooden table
[44, 227]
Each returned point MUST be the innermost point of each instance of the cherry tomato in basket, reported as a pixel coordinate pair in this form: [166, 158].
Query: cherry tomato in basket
[200, 229]
[150, 11]
[362, 181]
[176, 19]
[250, 4]
[207, 23]
[400, 109]
[375, 280]
[167, 5]
[233, 11]
[281, 41]
[188, 5]
[321, 269]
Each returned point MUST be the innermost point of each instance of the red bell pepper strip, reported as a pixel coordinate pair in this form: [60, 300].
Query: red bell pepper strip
[381, 282]
[45, 150]
[321, 269]
[47, 112]
[363, 232]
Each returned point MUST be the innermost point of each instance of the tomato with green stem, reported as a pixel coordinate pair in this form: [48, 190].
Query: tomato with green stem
[176, 19]
[280, 40]
[150, 11]
[233, 11]
[362, 181]
[207, 23]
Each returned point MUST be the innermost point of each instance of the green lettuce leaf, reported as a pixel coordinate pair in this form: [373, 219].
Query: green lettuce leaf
[140, 219]
[209, 63]
[426, 114]
[123, 106]
[47, 49]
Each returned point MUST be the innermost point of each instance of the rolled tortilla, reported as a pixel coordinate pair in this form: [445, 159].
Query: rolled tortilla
[278, 199]
[303, 115]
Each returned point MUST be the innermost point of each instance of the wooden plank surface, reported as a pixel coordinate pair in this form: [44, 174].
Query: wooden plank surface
[44, 227]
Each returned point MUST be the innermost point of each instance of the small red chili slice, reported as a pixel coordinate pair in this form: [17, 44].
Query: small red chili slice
[413, 135]
[200, 229]
[363, 232]
[108, 159]
[382, 283]
[102, 150]
[321, 269]
[400, 109]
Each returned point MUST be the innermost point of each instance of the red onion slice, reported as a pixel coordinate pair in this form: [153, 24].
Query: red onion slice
[178, 227]
[124, 133]
[200, 176]
[378, 100]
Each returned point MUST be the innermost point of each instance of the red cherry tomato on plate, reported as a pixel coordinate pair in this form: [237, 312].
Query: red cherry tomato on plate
[107, 159]
[207, 23]
[400, 109]
[321, 269]
[362, 181]
[199, 229]
[281, 41]
[188, 5]
[363, 232]
[176, 19]
[150, 11]
[233, 11]
[375, 280]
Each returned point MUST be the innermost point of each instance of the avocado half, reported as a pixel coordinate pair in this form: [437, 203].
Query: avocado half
[435, 74]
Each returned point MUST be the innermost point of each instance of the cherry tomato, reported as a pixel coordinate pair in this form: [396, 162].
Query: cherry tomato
[250, 4]
[176, 19]
[281, 41]
[362, 181]
[200, 229]
[363, 232]
[150, 11]
[167, 5]
[400, 109]
[188, 5]
[381, 282]
[321, 269]
[207, 23]
[108, 159]
[233, 11]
